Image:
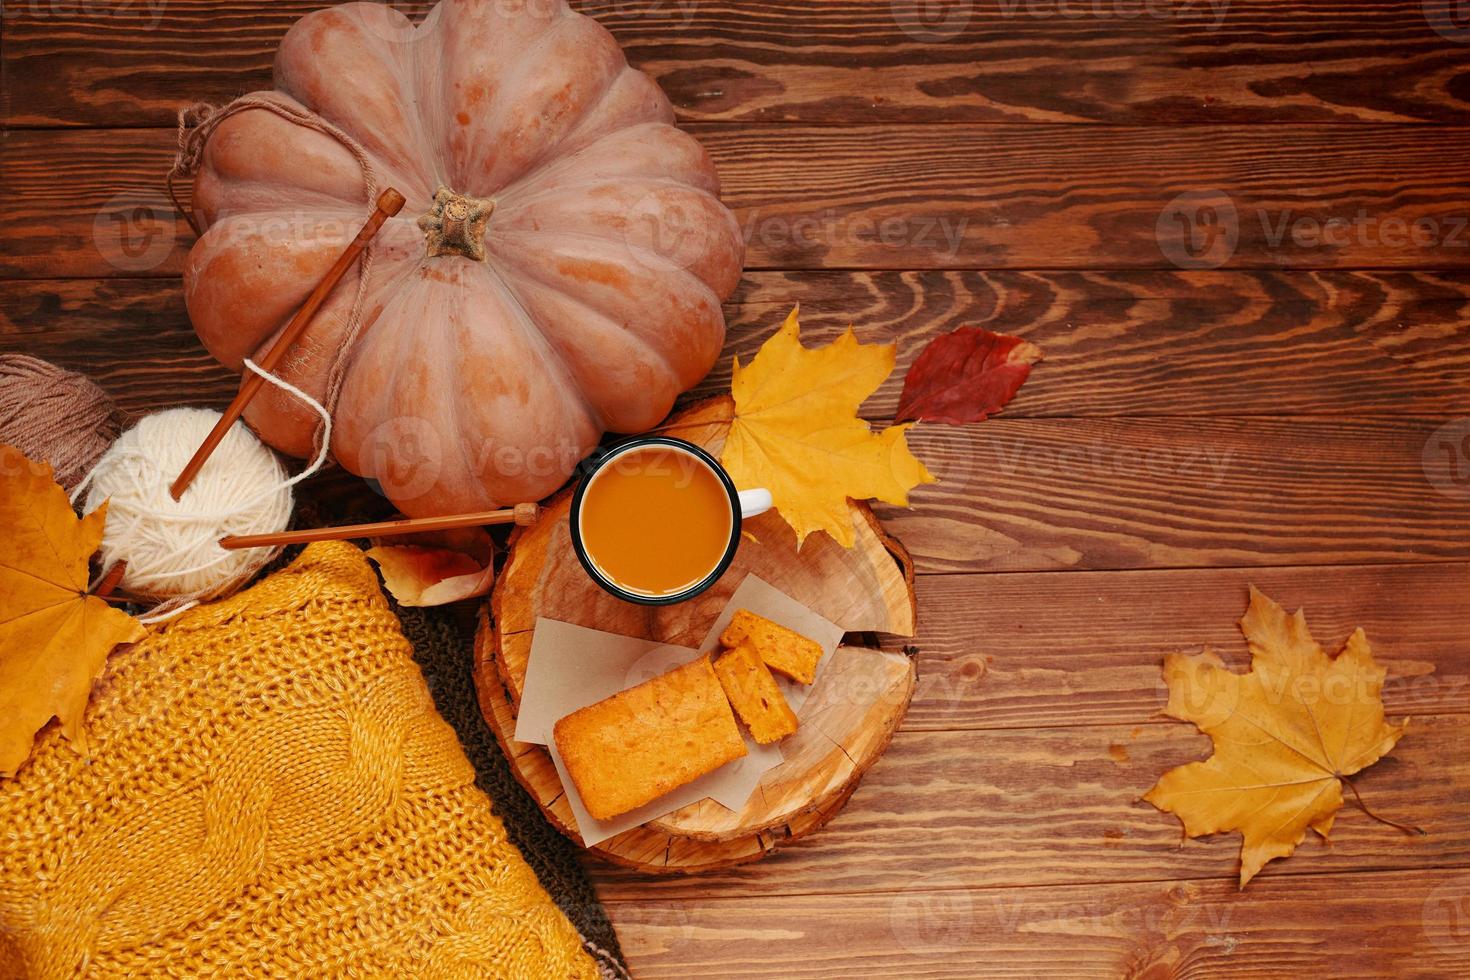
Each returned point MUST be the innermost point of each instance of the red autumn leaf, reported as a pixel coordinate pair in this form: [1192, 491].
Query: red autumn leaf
[965, 376]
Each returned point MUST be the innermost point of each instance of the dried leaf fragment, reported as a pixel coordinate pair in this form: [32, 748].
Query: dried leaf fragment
[966, 375]
[435, 568]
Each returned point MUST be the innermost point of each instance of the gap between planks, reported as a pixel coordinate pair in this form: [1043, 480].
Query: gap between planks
[731, 894]
[1164, 569]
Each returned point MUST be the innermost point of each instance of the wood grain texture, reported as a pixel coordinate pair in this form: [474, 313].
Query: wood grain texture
[132, 336]
[132, 62]
[1117, 343]
[1044, 650]
[1016, 165]
[1149, 342]
[1054, 494]
[1046, 806]
[976, 196]
[1360, 925]
[90, 203]
[1025, 494]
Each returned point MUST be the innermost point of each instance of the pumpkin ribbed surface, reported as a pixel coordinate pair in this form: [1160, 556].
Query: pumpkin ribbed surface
[557, 272]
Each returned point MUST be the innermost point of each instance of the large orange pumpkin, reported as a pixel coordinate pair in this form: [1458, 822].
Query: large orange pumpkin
[557, 272]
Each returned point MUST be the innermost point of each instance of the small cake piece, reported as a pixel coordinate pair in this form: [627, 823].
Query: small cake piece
[784, 651]
[756, 696]
[635, 746]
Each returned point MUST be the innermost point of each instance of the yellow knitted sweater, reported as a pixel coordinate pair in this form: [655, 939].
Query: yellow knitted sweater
[268, 791]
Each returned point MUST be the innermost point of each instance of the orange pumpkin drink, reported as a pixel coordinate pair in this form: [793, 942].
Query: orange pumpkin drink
[656, 521]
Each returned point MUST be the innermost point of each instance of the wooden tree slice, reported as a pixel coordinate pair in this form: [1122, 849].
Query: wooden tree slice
[852, 712]
[799, 796]
[866, 588]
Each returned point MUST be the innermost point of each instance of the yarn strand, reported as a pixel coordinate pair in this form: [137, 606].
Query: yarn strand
[324, 434]
[198, 122]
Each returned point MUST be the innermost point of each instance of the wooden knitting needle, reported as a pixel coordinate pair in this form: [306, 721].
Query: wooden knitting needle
[522, 514]
[390, 202]
[111, 580]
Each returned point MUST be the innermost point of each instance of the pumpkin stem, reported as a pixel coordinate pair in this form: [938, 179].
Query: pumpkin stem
[455, 225]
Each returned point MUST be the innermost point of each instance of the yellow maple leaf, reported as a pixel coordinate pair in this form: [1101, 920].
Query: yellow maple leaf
[1286, 734]
[54, 637]
[796, 431]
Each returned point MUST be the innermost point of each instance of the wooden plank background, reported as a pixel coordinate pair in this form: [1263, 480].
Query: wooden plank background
[1238, 229]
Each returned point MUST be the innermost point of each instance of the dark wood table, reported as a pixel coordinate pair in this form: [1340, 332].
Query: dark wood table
[1238, 230]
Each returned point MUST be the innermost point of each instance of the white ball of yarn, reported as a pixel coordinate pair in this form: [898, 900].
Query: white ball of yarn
[172, 546]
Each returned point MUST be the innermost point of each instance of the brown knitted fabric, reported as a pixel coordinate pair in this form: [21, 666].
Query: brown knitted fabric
[442, 644]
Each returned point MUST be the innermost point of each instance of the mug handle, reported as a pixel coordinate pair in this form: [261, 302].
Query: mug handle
[753, 502]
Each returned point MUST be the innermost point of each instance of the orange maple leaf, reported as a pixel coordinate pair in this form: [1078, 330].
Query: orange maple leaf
[54, 637]
[1287, 734]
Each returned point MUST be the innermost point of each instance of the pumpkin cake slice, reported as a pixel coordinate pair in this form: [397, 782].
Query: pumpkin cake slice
[783, 650]
[631, 748]
[753, 691]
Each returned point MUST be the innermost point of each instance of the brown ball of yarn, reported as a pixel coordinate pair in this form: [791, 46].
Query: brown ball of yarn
[56, 415]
